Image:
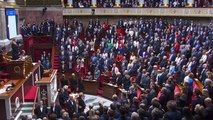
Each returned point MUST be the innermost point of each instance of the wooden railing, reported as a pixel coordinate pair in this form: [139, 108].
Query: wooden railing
[38, 2]
[187, 12]
[35, 101]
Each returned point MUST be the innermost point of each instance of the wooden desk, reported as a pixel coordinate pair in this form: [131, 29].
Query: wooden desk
[11, 101]
[91, 87]
[109, 90]
[19, 68]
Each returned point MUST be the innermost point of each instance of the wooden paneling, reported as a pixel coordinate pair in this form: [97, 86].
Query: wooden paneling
[109, 90]
[16, 102]
[91, 87]
[3, 114]
[16, 69]
[36, 14]
[187, 12]
[43, 2]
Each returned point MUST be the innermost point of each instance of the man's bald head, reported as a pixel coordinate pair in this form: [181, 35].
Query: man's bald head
[208, 101]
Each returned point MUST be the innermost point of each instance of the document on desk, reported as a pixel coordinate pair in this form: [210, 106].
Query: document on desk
[3, 90]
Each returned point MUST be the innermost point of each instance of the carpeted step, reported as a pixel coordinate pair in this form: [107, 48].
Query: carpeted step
[56, 68]
[29, 97]
[55, 64]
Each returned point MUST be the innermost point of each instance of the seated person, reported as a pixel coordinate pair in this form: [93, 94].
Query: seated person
[88, 76]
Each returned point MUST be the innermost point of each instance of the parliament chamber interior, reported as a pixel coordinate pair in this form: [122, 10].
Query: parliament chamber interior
[106, 60]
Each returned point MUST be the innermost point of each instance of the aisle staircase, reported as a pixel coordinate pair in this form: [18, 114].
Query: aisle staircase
[55, 58]
[56, 62]
[30, 96]
[26, 109]
[30, 102]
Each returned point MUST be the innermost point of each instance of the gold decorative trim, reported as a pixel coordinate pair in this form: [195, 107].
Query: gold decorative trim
[183, 12]
[3, 4]
[17, 69]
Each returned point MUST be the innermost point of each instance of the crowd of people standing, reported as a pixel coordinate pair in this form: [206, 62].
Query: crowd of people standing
[135, 3]
[152, 53]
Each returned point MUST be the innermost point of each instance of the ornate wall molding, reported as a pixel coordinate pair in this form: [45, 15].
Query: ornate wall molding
[187, 12]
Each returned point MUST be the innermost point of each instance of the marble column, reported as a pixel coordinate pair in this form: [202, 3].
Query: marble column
[165, 3]
[141, 3]
[117, 3]
[62, 3]
[3, 29]
[93, 3]
[70, 3]
[190, 3]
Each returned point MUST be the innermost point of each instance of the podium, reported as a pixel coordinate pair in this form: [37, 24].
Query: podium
[48, 88]
[91, 87]
[109, 90]
[20, 68]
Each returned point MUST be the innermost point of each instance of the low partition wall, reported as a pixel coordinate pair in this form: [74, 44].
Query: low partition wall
[187, 12]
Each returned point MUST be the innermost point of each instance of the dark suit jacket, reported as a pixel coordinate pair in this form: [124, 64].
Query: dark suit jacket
[172, 116]
[183, 62]
[15, 52]
[172, 57]
[127, 83]
[61, 99]
[81, 105]
[73, 83]
[57, 110]
[209, 112]
[39, 113]
[64, 82]
[71, 106]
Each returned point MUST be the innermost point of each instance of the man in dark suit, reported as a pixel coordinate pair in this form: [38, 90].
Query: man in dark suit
[172, 56]
[120, 23]
[164, 98]
[209, 87]
[71, 106]
[126, 83]
[15, 50]
[73, 83]
[183, 61]
[81, 103]
[208, 109]
[63, 81]
[41, 110]
[56, 109]
[173, 113]
[193, 67]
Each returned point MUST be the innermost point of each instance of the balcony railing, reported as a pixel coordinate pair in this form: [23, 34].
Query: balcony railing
[39, 3]
[187, 12]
